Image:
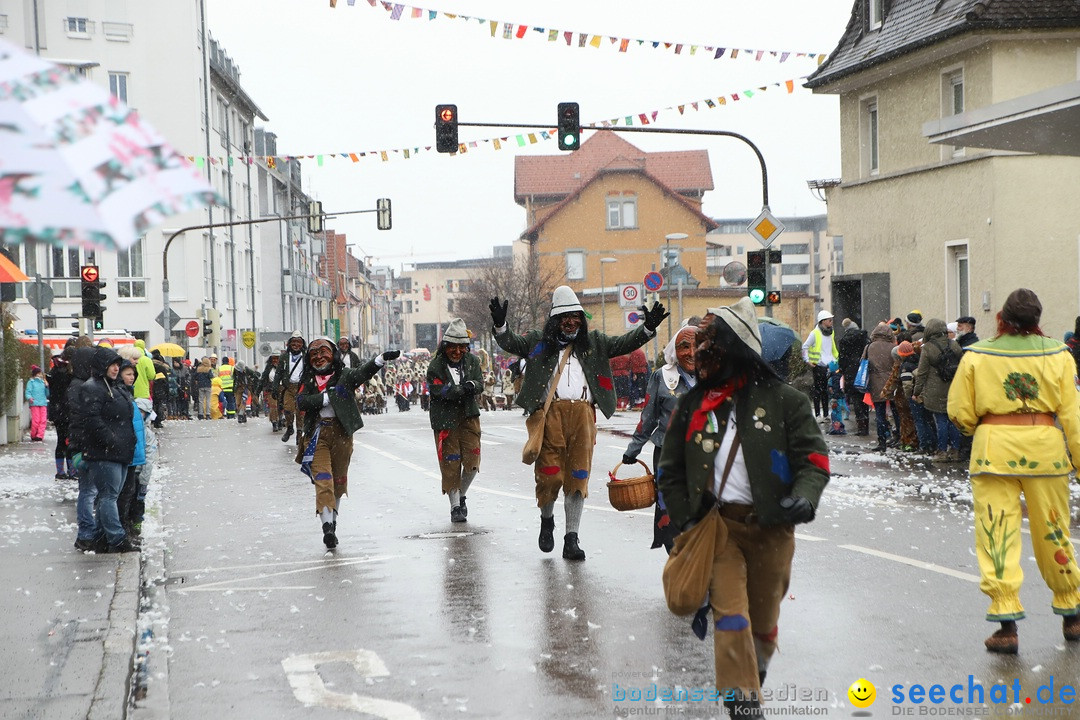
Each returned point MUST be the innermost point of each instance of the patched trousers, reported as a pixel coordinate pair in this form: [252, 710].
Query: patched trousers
[458, 451]
[565, 459]
[330, 467]
[998, 518]
[751, 572]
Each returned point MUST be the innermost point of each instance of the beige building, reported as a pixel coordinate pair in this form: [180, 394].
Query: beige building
[931, 223]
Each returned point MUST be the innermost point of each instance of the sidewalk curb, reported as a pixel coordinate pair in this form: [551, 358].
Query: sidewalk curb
[119, 644]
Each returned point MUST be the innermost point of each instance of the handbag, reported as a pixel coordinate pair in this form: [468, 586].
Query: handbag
[688, 570]
[862, 377]
[534, 424]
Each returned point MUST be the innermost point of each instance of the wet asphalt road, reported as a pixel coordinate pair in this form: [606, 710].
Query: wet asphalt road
[405, 621]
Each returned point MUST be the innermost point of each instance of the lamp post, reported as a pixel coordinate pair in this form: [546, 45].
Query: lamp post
[677, 236]
[603, 294]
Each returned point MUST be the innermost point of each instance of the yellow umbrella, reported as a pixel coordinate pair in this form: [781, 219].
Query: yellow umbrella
[169, 349]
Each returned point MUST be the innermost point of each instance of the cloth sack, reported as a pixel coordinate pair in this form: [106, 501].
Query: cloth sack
[688, 570]
[862, 377]
[534, 424]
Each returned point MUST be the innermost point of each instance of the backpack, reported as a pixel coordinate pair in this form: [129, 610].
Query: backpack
[947, 364]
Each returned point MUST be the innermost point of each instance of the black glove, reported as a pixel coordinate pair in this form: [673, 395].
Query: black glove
[391, 355]
[498, 311]
[469, 386]
[796, 509]
[655, 316]
[627, 460]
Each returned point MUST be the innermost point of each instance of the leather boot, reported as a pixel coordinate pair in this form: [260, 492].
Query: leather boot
[1070, 628]
[1003, 641]
[547, 534]
[329, 537]
[570, 549]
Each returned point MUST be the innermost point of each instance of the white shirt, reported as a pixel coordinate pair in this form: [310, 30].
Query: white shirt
[572, 383]
[455, 373]
[826, 347]
[737, 489]
[294, 375]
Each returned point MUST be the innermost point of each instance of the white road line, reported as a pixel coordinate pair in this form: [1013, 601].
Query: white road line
[262, 576]
[921, 564]
[252, 566]
[489, 442]
[202, 588]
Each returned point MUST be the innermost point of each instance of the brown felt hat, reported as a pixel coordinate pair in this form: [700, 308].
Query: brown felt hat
[1022, 309]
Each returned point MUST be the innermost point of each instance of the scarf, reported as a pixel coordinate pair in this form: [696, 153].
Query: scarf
[712, 400]
[321, 381]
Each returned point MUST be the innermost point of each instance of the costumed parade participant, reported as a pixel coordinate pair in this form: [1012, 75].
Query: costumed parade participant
[291, 369]
[579, 362]
[327, 397]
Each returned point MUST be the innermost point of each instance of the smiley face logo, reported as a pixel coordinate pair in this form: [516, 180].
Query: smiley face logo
[862, 693]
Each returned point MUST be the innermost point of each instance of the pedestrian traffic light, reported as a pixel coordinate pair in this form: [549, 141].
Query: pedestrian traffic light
[755, 276]
[569, 126]
[772, 297]
[446, 119]
[211, 328]
[91, 294]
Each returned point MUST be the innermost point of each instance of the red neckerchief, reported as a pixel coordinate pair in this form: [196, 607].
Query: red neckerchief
[321, 381]
[712, 400]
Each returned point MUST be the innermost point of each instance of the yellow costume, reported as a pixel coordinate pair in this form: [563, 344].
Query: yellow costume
[1008, 392]
[215, 398]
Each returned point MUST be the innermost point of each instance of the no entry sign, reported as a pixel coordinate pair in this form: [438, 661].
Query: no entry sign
[192, 328]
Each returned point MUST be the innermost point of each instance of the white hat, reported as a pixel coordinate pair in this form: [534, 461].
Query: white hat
[742, 318]
[564, 300]
[456, 332]
[824, 315]
[297, 334]
[951, 327]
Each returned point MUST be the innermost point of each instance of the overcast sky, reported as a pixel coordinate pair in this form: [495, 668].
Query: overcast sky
[351, 79]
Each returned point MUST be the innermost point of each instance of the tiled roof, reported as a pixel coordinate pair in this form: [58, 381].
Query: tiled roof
[560, 175]
[912, 24]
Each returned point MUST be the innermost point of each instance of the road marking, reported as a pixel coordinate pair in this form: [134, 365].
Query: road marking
[248, 589]
[308, 687]
[252, 566]
[489, 442]
[921, 564]
[222, 584]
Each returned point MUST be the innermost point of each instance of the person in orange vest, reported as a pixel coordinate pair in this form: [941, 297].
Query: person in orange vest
[225, 372]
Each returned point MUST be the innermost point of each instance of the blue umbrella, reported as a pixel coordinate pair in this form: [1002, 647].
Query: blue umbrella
[776, 339]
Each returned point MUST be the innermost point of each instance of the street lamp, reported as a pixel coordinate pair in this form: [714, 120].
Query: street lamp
[667, 263]
[603, 295]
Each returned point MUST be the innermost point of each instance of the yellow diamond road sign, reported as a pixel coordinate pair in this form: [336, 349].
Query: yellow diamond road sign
[765, 227]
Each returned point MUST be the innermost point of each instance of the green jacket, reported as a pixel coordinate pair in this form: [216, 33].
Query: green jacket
[450, 404]
[540, 365]
[782, 446]
[341, 389]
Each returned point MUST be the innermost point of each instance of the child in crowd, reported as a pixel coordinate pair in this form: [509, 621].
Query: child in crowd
[37, 394]
[838, 409]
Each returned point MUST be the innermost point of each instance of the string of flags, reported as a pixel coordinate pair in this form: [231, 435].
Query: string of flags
[499, 143]
[571, 38]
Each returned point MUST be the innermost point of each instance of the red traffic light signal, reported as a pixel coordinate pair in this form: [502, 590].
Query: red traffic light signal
[446, 128]
[773, 297]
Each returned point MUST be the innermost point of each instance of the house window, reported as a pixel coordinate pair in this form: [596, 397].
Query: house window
[118, 86]
[77, 26]
[669, 256]
[958, 285]
[621, 213]
[795, 249]
[575, 265]
[450, 305]
[869, 140]
[952, 102]
[875, 13]
[66, 263]
[130, 280]
[716, 258]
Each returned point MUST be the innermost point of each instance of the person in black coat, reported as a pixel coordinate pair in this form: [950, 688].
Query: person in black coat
[109, 444]
[59, 379]
[851, 346]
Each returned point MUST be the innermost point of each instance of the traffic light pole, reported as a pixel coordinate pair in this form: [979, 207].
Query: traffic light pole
[181, 231]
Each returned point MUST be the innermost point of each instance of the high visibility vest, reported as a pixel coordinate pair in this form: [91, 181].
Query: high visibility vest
[225, 373]
[814, 351]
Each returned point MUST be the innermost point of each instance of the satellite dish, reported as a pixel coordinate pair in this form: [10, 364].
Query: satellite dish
[734, 273]
[265, 349]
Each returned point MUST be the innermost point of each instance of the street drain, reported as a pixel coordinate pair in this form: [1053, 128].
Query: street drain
[445, 535]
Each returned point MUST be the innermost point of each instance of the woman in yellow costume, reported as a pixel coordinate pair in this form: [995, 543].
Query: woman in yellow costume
[1017, 393]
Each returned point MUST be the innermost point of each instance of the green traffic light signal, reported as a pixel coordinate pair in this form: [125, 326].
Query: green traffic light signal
[757, 296]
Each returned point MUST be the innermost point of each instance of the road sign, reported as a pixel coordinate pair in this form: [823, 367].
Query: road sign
[248, 338]
[192, 328]
[630, 294]
[633, 318]
[160, 319]
[39, 295]
[765, 227]
[654, 281]
[89, 273]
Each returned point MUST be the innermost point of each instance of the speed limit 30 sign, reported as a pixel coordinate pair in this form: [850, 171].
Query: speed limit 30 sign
[630, 295]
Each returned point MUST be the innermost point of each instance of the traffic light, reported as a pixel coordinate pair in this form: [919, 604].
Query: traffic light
[92, 295]
[569, 126]
[315, 217]
[211, 328]
[772, 297]
[446, 120]
[383, 220]
[755, 276]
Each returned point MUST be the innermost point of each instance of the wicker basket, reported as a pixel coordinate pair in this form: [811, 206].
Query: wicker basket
[635, 493]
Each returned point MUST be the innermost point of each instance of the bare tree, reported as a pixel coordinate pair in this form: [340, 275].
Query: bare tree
[525, 284]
